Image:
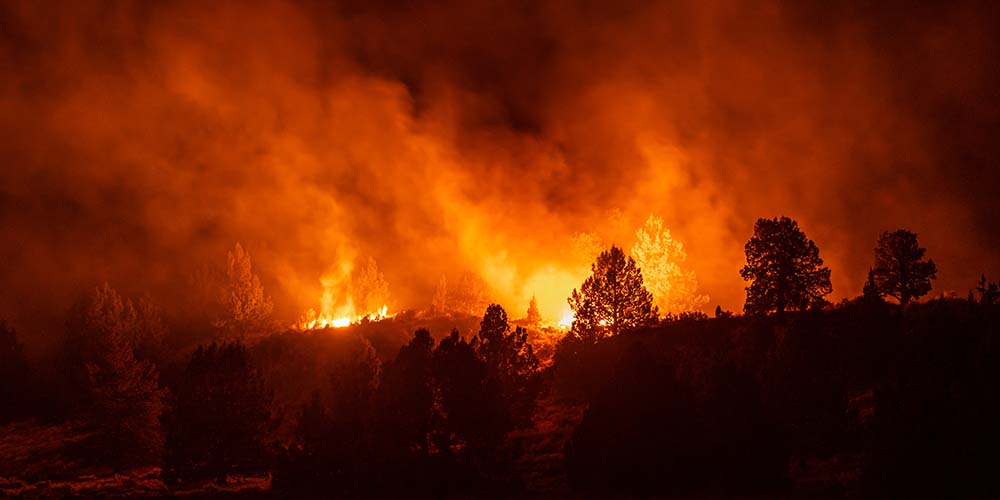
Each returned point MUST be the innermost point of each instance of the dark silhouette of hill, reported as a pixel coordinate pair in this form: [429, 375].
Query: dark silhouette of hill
[865, 398]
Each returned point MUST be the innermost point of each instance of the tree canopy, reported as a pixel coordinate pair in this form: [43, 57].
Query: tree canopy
[509, 359]
[613, 299]
[900, 269]
[784, 268]
[661, 258]
[247, 309]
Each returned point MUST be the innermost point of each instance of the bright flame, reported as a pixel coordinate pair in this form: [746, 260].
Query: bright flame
[313, 321]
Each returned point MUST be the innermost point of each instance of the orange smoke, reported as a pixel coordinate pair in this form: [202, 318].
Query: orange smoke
[143, 140]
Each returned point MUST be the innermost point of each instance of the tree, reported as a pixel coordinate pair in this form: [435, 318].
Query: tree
[509, 360]
[584, 249]
[613, 299]
[784, 269]
[870, 292]
[331, 451]
[406, 397]
[473, 420]
[221, 412]
[989, 293]
[534, 317]
[13, 374]
[122, 394]
[471, 295]
[439, 303]
[150, 332]
[900, 271]
[369, 290]
[661, 257]
[247, 309]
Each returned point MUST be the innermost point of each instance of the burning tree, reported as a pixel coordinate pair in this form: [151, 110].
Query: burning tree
[247, 309]
[534, 316]
[613, 299]
[900, 271]
[784, 268]
[369, 289]
[661, 258]
[469, 296]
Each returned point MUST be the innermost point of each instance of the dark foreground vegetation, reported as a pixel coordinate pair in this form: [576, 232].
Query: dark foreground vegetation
[796, 398]
[865, 399]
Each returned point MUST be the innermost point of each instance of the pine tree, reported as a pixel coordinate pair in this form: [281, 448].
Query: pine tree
[870, 292]
[122, 393]
[406, 398]
[989, 293]
[369, 289]
[247, 309]
[784, 269]
[534, 317]
[472, 419]
[13, 374]
[661, 258]
[510, 360]
[439, 303]
[471, 295]
[900, 271]
[221, 413]
[613, 299]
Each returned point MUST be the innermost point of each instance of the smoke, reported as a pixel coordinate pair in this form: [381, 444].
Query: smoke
[142, 140]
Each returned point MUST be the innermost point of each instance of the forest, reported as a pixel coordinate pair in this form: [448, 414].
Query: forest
[794, 397]
[463, 249]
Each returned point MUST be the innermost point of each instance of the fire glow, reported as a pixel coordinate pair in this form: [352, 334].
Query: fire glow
[319, 321]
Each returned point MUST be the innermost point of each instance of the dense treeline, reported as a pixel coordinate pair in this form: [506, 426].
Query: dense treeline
[796, 397]
[874, 393]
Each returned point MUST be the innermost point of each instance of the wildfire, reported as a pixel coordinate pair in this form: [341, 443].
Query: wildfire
[315, 321]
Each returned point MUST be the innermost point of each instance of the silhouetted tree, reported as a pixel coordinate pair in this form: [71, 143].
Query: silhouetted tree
[13, 374]
[354, 383]
[406, 397]
[900, 271]
[123, 398]
[870, 292]
[510, 360]
[612, 300]
[661, 258]
[638, 435]
[247, 309]
[989, 293]
[722, 313]
[332, 448]
[784, 269]
[469, 402]
[220, 415]
[534, 317]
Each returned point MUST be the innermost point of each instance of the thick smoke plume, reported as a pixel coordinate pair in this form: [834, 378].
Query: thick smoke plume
[142, 140]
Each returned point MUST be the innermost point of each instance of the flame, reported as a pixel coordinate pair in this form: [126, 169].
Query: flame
[316, 321]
